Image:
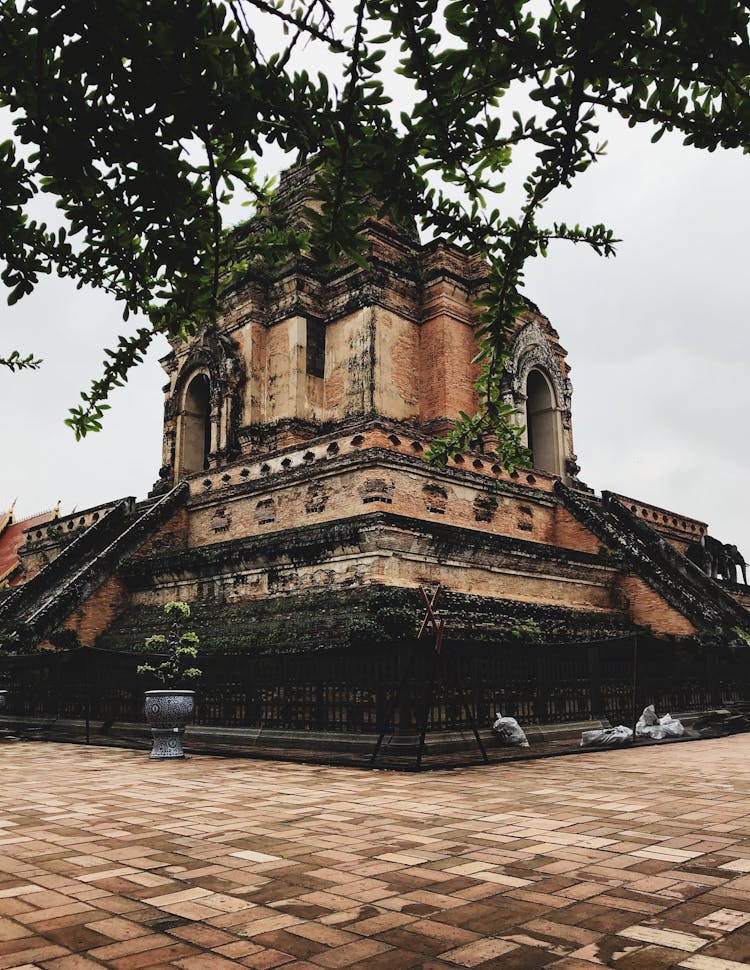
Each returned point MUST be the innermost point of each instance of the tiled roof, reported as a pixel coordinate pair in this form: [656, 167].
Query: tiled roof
[11, 537]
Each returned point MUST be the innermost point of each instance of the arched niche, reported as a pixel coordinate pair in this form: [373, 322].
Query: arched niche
[195, 426]
[543, 424]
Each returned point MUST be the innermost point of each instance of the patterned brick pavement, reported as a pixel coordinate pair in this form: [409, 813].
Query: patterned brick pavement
[636, 860]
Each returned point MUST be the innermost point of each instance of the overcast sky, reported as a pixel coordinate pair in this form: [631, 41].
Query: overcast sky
[658, 340]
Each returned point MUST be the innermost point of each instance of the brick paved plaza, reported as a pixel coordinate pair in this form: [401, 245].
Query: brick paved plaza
[634, 859]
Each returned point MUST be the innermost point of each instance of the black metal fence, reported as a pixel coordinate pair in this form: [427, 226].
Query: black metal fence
[388, 687]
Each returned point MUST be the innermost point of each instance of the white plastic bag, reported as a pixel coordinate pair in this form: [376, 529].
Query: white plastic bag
[658, 728]
[671, 726]
[606, 737]
[509, 731]
[647, 719]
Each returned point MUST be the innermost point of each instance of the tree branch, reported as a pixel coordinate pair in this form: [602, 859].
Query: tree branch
[16, 362]
[338, 46]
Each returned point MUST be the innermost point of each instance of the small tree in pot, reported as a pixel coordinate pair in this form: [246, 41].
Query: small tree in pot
[168, 710]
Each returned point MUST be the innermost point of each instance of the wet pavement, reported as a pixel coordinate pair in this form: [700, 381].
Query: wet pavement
[635, 859]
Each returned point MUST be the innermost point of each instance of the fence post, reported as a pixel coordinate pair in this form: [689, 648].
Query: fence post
[319, 706]
[380, 702]
[712, 677]
[405, 658]
[542, 705]
[476, 690]
[635, 684]
[742, 674]
[595, 679]
[250, 684]
[86, 693]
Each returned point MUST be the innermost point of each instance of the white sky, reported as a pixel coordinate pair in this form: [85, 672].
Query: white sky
[658, 340]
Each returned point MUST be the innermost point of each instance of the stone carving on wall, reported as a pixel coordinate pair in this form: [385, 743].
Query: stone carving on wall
[485, 507]
[221, 520]
[214, 354]
[525, 518]
[531, 349]
[295, 580]
[265, 511]
[316, 498]
[376, 490]
[435, 498]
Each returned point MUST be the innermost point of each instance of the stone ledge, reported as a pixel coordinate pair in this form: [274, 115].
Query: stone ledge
[259, 739]
[314, 543]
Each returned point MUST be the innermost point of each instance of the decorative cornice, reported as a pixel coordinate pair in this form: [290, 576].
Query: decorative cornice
[310, 544]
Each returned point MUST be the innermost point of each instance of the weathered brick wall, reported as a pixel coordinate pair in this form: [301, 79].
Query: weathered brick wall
[348, 372]
[35, 559]
[391, 553]
[582, 592]
[45, 543]
[678, 529]
[446, 374]
[390, 569]
[396, 360]
[647, 608]
[282, 353]
[340, 481]
[570, 534]
[400, 341]
[93, 617]
[172, 535]
[330, 495]
[99, 610]
[741, 594]
[254, 396]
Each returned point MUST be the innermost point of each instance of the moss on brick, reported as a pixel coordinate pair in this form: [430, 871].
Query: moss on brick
[345, 618]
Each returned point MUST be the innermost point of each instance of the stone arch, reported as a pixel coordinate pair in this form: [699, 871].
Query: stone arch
[533, 352]
[194, 428]
[542, 423]
[214, 356]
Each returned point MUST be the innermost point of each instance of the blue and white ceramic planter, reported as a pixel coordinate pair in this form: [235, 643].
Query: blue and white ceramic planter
[168, 711]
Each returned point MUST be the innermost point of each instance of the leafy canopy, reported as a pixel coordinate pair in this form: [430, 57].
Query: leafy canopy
[141, 118]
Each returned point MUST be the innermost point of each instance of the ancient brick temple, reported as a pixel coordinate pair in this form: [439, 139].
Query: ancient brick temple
[294, 504]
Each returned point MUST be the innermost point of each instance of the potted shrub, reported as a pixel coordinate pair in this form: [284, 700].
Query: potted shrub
[168, 710]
